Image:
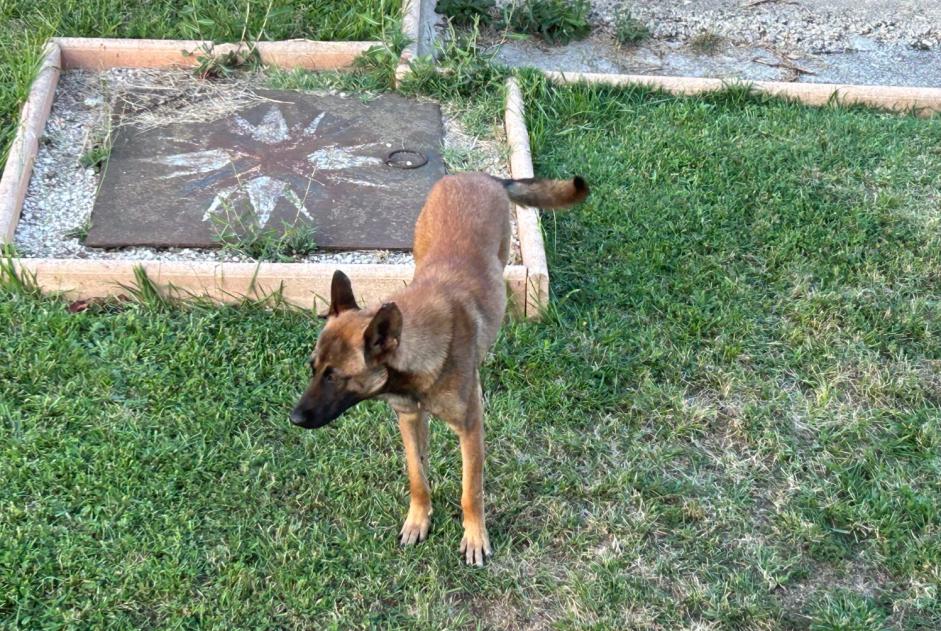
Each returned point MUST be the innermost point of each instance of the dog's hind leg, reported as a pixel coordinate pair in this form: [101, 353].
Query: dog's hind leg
[414, 429]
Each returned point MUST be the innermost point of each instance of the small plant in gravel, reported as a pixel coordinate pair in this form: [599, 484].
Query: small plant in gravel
[466, 12]
[555, 21]
[269, 244]
[460, 159]
[628, 30]
[80, 231]
[95, 157]
[706, 43]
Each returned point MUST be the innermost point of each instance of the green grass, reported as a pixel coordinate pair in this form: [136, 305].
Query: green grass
[748, 325]
[728, 419]
[242, 235]
[25, 24]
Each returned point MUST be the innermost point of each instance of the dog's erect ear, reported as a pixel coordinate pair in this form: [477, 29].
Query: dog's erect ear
[382, 334]
[341, 295]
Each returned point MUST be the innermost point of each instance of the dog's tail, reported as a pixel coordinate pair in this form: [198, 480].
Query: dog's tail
[546, 193]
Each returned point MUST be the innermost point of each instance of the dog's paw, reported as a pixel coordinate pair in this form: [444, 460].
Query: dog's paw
[475, 546]
[416, 526]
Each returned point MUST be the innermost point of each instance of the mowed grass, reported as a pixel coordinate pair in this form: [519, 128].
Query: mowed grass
[747, 346]
[728, 419]
[25, 25]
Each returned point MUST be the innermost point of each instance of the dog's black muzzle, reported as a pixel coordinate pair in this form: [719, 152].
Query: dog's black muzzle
[314, 416]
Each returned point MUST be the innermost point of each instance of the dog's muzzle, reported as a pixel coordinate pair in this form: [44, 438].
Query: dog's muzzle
[307, 420]
[297, 417]
[317, 413]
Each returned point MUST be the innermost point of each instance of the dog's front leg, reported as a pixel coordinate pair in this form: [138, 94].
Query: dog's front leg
[414, 429]
[475, 545]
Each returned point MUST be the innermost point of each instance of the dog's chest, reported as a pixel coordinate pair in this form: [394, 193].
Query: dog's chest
[401, 402]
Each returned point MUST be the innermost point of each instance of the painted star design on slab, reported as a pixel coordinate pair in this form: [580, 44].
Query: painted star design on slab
[251, 167]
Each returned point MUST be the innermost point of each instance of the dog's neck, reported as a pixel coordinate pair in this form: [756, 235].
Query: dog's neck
[425, 340]
[401, 384]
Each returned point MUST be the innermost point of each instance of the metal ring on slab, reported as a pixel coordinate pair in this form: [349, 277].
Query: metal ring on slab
[406, 159]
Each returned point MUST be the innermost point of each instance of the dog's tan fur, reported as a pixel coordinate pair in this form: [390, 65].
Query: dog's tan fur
[421, 350]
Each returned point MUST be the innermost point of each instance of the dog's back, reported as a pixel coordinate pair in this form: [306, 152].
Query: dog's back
[466, 215]
[462, 244]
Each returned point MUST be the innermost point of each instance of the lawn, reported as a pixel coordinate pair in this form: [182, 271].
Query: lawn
[728, 419]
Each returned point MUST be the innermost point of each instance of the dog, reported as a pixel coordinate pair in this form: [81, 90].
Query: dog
[421, 350]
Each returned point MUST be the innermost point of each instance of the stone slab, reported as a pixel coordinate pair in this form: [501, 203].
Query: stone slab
[359, 171]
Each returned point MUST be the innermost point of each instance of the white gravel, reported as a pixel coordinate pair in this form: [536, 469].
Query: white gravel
[61, 192]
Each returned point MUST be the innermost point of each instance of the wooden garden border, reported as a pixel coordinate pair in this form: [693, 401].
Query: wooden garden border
[301, 284]
[924, 101]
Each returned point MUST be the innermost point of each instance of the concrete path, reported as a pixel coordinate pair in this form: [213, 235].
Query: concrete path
[893, 42]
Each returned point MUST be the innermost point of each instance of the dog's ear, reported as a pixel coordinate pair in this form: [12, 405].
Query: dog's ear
[341, 295]
[383, 333]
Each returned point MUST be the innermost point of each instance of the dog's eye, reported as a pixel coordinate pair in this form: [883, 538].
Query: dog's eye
[328, 375]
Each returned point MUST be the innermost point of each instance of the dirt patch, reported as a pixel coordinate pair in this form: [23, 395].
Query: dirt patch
[853, 576]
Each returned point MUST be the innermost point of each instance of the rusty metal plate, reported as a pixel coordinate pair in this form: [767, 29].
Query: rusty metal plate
[359, 172]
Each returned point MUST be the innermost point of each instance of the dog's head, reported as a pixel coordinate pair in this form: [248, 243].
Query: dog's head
[348, 363]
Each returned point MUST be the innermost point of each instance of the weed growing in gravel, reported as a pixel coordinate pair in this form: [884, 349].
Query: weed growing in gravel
[628, 30]
[465, 76]
[459, 159]
[555, 21]
[466, 12]
[462, 69]
[95, 157]
[98, 148]
[80, 231]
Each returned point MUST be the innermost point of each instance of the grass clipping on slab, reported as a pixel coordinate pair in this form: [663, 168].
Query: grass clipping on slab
[147, 99]
[728, 419]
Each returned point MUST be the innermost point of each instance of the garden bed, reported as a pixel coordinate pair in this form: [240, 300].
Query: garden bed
[218, 275]
[58, 206]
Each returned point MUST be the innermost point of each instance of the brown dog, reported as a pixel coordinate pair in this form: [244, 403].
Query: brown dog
[421, 350]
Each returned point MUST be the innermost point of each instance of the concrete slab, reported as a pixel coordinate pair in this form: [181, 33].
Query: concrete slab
[357, 171]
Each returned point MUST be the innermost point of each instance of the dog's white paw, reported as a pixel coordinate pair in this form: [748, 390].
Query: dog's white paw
[475, 546]
[416, 526]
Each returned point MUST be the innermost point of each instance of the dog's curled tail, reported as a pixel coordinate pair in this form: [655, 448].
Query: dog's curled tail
[542, 193]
